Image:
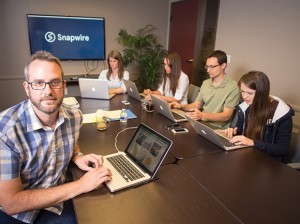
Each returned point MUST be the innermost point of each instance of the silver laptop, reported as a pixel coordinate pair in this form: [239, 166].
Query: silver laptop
[133, 91]
[162, 107]
[213, 136]
[94, 89]
[140, 161]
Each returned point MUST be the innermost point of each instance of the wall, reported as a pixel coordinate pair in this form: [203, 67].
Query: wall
[260, 35]
[263, 35]
[118, 14]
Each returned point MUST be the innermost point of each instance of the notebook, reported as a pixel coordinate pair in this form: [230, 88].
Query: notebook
[213, 136]
[94, 88]
[71, 102]
[162, 107]
[133, 91]
[144, 154]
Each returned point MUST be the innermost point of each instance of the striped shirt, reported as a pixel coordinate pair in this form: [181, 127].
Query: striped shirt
[37, 154]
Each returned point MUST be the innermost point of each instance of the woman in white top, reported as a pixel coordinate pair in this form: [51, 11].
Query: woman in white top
[115, 73]
[174, 87]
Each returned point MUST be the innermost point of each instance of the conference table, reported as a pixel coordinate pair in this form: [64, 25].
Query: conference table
[198, 181]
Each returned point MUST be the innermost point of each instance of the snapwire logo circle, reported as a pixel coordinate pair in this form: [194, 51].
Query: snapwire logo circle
[50, 37]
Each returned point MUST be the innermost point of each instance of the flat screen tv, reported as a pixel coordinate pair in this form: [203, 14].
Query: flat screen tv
[68, 37]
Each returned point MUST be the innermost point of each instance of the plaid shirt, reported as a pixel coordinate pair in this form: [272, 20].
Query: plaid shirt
[38, 155]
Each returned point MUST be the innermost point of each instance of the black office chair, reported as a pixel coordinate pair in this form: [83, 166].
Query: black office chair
[295, 148]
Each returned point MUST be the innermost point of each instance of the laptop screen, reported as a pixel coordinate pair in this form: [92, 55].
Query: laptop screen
[148, 148]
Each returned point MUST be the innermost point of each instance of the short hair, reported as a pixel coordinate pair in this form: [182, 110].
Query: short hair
[220, 55]
[42, 56]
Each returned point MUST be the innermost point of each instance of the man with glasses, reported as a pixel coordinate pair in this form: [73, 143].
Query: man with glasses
[218, 95]
[38, 139]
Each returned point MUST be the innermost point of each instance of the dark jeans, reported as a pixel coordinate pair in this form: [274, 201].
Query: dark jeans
[45, 217]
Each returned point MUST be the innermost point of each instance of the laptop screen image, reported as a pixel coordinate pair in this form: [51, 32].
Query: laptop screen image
[140, 161]
[148, 148]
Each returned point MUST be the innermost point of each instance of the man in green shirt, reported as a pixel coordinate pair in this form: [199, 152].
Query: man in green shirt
[218, 95]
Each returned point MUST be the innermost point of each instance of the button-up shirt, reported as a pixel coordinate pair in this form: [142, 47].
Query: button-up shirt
[38, 155]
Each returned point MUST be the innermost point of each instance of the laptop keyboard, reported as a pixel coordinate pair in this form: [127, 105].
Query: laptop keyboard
[177, 116]
[125, 168]
[225, 141]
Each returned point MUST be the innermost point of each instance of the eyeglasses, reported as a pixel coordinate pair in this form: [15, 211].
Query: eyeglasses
[42, 85]
[211, 66]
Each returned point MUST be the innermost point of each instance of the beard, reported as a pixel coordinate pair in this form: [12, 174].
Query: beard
[49, 108]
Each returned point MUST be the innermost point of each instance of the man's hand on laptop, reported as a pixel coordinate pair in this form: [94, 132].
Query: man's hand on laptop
[94, 178]
[89, 161]
[194, 113]
[175, 105]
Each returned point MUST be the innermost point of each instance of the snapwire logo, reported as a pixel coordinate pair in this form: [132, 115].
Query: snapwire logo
[51, 37]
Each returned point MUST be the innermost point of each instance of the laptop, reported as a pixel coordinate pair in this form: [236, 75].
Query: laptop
[213, 135]
[94, 89]
[162, 107]
[133, 91]
[141, 158]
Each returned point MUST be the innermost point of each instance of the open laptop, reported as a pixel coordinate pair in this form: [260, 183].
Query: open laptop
[144, 154]
[162, 107]
[213, 136]
[133, 91]
[94, 89]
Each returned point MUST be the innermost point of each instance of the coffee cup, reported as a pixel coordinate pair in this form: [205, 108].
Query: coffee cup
[148, 106]
[101, 122]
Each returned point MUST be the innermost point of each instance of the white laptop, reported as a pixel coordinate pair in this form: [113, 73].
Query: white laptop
[94, 89]
[162, 107]
[144, 154]
[213, 136]
[133, 91]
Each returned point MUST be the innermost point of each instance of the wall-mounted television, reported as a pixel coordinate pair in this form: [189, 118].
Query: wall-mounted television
[68, 37]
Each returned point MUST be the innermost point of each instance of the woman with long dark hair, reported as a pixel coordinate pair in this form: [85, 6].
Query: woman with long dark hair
[263, 121]
[174, 87]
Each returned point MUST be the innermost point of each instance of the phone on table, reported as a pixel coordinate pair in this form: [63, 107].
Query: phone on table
[125, 102]
[172, 126]
[179, 131]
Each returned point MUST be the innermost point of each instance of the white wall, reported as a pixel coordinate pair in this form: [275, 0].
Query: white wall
[263, 35]
[118, 14]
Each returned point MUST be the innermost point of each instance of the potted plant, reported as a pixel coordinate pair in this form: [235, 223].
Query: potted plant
[143, 50]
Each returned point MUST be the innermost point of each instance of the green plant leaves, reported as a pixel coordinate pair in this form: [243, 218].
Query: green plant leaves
[143, 50]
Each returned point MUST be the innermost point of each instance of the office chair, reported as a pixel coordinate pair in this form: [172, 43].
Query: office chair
[295, 148]
[192, 92]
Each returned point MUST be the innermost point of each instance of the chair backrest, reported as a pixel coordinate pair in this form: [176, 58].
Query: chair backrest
[234, 119]
[192, 93]
[295, 145]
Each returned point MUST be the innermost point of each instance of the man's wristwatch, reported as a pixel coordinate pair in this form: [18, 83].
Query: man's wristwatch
[78, 154]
